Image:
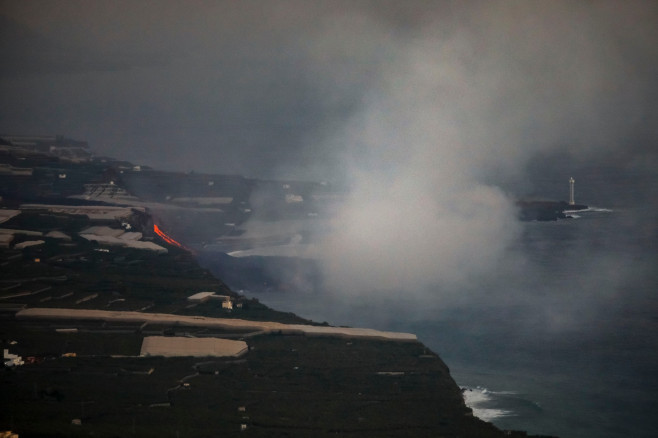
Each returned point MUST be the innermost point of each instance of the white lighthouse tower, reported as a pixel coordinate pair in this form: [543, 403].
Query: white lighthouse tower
[571, 191]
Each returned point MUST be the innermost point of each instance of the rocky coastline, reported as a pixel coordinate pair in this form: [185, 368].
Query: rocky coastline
[85, 376]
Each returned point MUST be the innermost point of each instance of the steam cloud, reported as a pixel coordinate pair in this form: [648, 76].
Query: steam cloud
[429, 111]
[437, 115]
[457, 108]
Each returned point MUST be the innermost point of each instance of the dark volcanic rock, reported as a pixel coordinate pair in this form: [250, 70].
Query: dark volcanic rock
[86, 377]
[546, 210]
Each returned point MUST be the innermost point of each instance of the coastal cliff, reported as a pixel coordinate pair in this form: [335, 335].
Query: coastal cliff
[66, 262]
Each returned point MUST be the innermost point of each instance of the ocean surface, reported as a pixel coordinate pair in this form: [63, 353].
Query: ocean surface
[565, 341]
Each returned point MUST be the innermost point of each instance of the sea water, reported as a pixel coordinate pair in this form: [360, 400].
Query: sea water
[564, 345]
[578, 357]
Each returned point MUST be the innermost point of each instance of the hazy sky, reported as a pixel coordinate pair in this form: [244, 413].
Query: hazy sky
[301, 88]
[438, 114]
[430, 110]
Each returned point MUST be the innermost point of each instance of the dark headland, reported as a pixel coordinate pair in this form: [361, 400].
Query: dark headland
[546, 210]
[80, 233]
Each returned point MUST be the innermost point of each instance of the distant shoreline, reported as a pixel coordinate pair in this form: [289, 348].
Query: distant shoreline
[546, 210]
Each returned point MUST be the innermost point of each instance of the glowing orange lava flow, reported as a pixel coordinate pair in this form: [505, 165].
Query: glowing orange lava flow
[166, 238]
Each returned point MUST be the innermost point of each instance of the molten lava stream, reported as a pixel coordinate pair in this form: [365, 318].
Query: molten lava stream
[166, 238]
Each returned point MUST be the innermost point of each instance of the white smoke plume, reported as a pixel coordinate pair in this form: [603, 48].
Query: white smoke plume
[429, 110]
[454, 109]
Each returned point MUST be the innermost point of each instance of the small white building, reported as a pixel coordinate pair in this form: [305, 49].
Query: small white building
[200, 297]
[28, 243]
[58, 235]
[12, 360]
[293, 199]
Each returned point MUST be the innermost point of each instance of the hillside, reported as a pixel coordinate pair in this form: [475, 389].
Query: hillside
[84, 375]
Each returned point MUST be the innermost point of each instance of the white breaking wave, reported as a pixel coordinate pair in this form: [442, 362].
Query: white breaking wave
[599, 209]
[478, 398]
[589, 210]
[573, 213]
[289, 250]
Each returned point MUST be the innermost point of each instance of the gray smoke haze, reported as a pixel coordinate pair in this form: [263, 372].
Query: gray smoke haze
[433, 118]
[432, 113]
[258, 87]
[456, 110]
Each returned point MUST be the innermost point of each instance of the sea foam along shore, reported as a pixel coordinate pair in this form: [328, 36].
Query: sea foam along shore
[480, 400]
